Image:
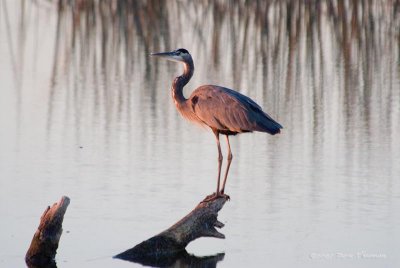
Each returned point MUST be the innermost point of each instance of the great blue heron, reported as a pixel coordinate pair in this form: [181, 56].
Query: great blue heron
[222, 109]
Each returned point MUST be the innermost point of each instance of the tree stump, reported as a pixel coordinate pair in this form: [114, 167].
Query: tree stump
[43, 248]
[169, 244]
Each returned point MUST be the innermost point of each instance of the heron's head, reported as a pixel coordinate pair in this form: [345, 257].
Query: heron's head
[179, 55]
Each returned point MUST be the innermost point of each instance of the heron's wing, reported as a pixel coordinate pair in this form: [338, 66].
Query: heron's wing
[225, 109]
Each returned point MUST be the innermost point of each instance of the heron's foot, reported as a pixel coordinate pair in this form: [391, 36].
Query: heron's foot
[215, 196]
[227, 197]
[210, 197]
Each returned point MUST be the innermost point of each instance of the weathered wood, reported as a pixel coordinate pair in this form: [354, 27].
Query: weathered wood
[200, 222]
[43, 248]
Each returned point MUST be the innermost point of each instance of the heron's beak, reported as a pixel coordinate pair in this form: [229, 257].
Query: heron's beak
[168, 56]
[162, 54]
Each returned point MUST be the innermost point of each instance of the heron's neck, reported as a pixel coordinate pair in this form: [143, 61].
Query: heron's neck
[180, 82]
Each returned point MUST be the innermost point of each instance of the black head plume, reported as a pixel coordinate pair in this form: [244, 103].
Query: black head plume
[182, 50]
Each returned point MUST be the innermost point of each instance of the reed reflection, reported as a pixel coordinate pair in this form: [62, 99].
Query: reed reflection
[329, 71]
[289, 54]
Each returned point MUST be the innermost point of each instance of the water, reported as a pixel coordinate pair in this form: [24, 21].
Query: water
[84, 112]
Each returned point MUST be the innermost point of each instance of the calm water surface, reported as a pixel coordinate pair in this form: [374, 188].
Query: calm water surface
[84, 112]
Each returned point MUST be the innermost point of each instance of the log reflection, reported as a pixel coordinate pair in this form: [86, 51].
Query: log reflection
[181, 259]
[328, 70]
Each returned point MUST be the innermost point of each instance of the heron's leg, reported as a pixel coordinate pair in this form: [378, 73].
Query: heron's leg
[230, 156]
[219, 161]
[217, 193]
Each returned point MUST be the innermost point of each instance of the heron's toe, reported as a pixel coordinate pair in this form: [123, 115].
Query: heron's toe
[210, 197]
[215, 196]
[222, 194]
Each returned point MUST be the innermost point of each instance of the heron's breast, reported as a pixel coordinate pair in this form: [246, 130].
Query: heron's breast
[188, 113]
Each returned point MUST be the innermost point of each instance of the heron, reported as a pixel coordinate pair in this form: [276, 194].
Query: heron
[225, 111]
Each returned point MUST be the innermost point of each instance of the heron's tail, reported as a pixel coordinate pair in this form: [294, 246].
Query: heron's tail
[269, 125]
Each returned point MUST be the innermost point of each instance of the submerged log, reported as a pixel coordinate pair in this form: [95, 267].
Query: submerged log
[43, 248]
[200, 222]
